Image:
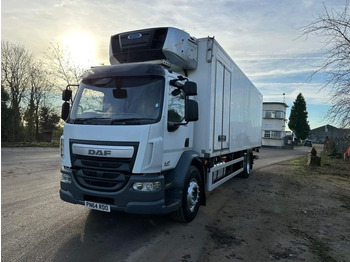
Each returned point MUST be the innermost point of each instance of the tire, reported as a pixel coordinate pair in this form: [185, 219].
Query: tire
[191, 197]
[247, 166]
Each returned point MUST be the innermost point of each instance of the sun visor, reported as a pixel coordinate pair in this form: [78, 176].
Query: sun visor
[167, 43]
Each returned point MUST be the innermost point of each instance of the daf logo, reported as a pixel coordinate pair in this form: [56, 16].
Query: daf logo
[134, 36]
[94, 152]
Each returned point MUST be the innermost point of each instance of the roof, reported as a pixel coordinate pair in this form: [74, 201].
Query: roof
[275, 103]
[323, 128]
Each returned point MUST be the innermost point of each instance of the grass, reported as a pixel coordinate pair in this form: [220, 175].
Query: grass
[332, 171]
[299, 165]
[325, 160]
[329, 166]
[30, 144]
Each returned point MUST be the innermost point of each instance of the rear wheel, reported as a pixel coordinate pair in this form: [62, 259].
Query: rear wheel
[247, 166]
[191, 196]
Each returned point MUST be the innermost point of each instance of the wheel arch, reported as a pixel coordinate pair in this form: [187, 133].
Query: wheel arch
[187, 159]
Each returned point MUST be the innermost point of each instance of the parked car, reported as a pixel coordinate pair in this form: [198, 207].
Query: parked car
[308, 143]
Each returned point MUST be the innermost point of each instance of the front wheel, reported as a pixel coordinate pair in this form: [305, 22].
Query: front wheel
[191, 196]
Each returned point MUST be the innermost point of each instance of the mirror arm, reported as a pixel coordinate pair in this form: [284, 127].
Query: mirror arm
[179, 78]
[68, 88]
[173, 82]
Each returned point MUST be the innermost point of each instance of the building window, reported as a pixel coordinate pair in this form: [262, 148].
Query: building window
[268, 114]
[276, 134]
[279, 114]
[272, 134]
[274, 114]
[267, 134]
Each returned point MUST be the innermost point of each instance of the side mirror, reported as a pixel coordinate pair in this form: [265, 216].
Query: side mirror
[190, 88]
[191, 110]
[120, 93]
[65, 111]
[66, 95]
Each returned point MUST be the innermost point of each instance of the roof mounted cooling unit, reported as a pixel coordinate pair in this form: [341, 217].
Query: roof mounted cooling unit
[166, 43]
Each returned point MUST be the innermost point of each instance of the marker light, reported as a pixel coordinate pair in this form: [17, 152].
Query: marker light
[62, 146]
[147, 186]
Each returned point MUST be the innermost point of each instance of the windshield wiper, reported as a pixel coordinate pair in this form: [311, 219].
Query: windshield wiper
[130, 121]
[88, 119]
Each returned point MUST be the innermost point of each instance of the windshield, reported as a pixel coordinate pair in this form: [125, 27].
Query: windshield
[118, 100]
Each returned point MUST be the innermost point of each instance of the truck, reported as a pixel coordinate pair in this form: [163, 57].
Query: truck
[172, 118]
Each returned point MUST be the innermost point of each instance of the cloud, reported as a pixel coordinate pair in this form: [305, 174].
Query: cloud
[261, 36]
[313, 93]
[65, 3]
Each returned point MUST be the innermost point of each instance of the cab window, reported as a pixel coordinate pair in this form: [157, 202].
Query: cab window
[176, 102]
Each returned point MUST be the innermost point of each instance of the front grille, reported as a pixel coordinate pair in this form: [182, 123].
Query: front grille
[94, 163]
[102, 173]
[101, 180]
[117, 164]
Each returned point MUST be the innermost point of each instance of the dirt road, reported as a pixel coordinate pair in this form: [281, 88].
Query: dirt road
[287, 213]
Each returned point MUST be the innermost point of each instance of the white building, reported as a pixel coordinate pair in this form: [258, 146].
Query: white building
[273, 124]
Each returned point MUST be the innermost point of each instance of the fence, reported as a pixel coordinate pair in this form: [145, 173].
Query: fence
[337, 146]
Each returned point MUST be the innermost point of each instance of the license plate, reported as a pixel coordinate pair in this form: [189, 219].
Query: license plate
[98, 206]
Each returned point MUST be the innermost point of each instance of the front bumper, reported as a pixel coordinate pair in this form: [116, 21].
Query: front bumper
[127, 199]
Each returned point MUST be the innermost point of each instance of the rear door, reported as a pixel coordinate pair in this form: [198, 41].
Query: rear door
[222, 107]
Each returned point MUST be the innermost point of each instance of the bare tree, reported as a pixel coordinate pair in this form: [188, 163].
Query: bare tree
[334, 26]
[15, 64]
[40, 86]
[63, 67]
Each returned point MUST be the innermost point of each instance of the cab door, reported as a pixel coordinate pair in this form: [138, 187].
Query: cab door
[177, 138]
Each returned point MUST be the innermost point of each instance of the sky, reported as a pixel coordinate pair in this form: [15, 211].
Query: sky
[263, 37]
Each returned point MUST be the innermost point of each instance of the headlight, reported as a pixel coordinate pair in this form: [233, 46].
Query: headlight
[66, 178]
[147, 186]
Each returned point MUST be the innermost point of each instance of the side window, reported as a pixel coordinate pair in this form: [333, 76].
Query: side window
[176, 102]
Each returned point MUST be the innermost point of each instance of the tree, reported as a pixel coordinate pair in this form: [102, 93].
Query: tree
[63, 67]
[39, 87]
[48, 120]
[15, 62]
[334, 26]
[25, 85]
[6, 115]
[298, 118]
